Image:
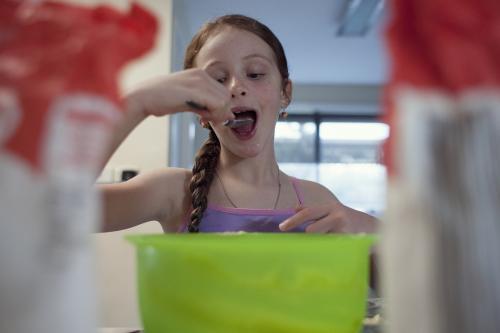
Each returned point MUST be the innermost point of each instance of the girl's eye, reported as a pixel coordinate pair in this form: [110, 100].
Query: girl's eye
[255, 75]
[221, 79]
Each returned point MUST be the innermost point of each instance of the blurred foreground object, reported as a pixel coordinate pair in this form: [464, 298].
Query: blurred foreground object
[442, 237]
[58, 105]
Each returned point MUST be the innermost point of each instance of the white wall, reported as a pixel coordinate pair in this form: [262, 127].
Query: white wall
[146, 148]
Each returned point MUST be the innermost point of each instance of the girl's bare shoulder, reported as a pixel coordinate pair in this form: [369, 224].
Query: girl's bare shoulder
[170, 183]
[162, 183]
[173, 176]
[170, 188]
[314, 193]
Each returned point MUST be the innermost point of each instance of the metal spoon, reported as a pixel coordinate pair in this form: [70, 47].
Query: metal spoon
[235, 123]
[231, 123]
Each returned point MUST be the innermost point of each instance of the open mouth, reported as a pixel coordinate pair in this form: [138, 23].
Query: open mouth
[247, 130]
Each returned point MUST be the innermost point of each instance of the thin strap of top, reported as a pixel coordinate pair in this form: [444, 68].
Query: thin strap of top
[298, 192]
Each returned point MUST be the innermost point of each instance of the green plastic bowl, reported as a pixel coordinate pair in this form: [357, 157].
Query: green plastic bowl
[258, 283]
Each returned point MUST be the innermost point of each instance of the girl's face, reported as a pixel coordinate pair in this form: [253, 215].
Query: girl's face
[246, 65]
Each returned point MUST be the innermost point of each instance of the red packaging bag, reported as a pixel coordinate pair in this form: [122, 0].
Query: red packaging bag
[442, 231]
[58, 103]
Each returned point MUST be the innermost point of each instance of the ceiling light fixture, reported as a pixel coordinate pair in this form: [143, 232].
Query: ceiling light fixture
[360, 17]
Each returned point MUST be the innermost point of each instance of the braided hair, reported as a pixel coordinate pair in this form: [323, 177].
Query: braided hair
[208, 156]
[203, 174]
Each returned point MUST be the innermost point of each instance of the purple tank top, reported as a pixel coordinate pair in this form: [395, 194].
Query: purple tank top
[226, 219]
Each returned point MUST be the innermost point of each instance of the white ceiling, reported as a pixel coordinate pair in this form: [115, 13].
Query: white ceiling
[307, 30]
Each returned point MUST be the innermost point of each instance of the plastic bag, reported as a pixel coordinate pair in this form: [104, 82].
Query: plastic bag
[442, 231]
[58, 103]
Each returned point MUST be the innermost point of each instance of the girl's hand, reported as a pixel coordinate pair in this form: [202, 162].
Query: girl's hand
[331, 218]
[169, 94]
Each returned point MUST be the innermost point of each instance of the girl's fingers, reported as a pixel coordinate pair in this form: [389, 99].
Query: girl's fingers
[211, 108]
[190, 90]
[303, 215]
[195, 106]
[320, 226]
[202, 111]
[212, 97]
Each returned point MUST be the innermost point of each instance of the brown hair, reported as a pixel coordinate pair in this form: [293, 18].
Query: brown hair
[208, 156]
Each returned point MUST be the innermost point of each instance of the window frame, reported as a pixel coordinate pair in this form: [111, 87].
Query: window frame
[318, 118]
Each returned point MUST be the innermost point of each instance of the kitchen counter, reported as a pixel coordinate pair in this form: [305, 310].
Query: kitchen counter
[118, 330]
[366, 329]
[371, 324]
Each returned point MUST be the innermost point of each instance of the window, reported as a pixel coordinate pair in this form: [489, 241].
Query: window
[339, 152]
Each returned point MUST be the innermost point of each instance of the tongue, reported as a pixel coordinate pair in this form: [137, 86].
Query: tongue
[245, 129]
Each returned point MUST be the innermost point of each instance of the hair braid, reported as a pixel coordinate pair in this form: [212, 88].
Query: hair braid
[203, 174]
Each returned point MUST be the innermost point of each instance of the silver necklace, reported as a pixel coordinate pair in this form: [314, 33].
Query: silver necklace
[231, 201]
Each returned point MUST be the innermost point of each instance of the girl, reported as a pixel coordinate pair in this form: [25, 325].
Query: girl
[235, 67]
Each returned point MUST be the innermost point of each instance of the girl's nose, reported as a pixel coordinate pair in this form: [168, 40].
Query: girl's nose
[241, 92]
[237, 88]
